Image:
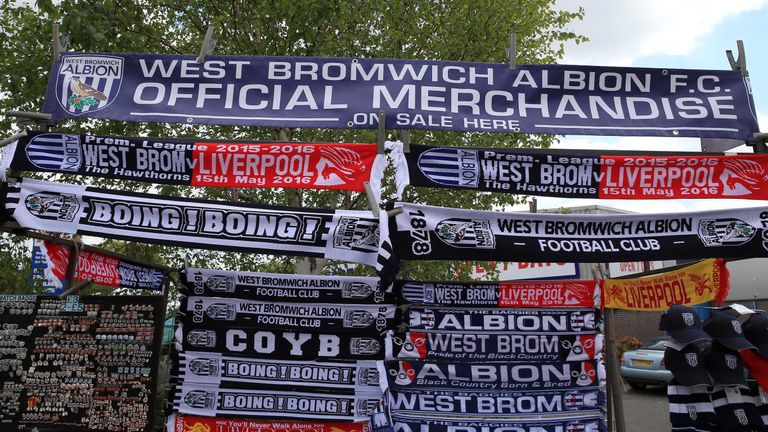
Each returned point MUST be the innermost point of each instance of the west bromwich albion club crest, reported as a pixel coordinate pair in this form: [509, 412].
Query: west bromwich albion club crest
[725, 232]
[55, 152]
[692, 359]
[730, 361]
[466, 233]
[88, 83]
[741, 416]
[688, 318]
[736, 326]
[53, 206]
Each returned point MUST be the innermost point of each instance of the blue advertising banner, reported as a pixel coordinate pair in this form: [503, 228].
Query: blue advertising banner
[431, 95]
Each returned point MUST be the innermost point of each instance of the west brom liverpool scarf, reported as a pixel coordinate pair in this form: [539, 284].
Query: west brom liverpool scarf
[428, 233]
[344, 235]
[589, 174]
[499, 294]
[194, 163]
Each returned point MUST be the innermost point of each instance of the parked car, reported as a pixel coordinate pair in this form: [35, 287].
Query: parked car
[645, 365]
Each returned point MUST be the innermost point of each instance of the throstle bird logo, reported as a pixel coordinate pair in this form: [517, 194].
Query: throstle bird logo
[701, 283]
[466, 233]
[84, 95]
[369, 237]
[742, 177]
[88, 83]
[338, 166]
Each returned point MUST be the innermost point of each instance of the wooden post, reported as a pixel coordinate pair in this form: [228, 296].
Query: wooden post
[614, 372]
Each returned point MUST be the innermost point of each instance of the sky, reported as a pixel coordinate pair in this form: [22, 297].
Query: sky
[690, 34]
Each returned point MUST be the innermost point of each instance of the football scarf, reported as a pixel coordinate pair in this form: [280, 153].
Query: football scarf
[509, 347]
[760, 398]
[438, 233]
[530, 321]
[735, 409]
[695, 284]
[213, 311]
[493, 403]
[404, 423]
[195, 163]
[344, 235]
[277, 344]
[286, 287]
[188, 423]
[690, 407]
[228, 371]
[212, 401]
[92, 265]
[502, 376]
[579, 293]
[589, 174]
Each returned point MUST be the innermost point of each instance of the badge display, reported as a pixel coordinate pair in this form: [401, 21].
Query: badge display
[589, 174]
[341, 234]
[438, 233]
[212, 401]
[188, 423]
[479, 346]
[492, 404]
[84, 363]
[530, 321]
[286, 287]
[277, 344]
[216, 369]
[276, 316]
[497, 376]
[194, 163]
[403, 423]
[579, 293]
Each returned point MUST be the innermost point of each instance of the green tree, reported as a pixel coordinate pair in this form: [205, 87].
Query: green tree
[441, 30]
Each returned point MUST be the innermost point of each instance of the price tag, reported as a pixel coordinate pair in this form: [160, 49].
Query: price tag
[733, 394]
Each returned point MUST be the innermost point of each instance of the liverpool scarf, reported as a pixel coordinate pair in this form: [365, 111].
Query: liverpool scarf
[229, 371]
[212, 401]
[197, 163]
[695, 284]
[217, 311]
[344, 235]
[589, 174]
[486, 376]
[428, 233]
[188, 423]
[490, 346]
[277, 344]
[532, 321]
[499, 294]
[286, 287]
[412, 423]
